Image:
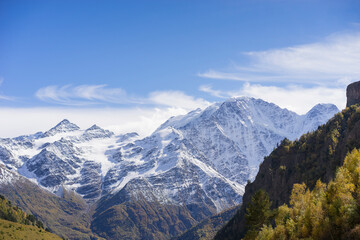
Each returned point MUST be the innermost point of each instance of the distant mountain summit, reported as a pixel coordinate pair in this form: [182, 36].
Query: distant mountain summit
[317, 116]
[63, 127]
[199, 162]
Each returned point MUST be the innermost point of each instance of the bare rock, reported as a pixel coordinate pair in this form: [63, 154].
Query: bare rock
[353, 94]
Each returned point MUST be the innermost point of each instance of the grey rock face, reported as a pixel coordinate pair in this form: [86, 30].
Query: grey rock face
[353, 94]
[51, 169]
[90, 180]
[6, 156]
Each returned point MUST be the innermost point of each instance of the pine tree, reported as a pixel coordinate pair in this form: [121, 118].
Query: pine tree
[258, 213]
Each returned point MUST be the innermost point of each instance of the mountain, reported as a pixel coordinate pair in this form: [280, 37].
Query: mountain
[313, 156]
[191, 167]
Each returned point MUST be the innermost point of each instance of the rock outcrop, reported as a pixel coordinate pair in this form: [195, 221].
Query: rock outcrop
[353, 94]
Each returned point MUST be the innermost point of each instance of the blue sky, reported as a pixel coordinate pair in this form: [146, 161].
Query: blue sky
[152, 59]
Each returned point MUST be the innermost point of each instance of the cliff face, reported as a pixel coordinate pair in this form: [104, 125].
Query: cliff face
[353, 94]
[314, 156]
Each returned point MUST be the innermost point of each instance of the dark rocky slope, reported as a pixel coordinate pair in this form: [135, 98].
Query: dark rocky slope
[353, 94]
[123, 216]
[139, 219]
[207, 228]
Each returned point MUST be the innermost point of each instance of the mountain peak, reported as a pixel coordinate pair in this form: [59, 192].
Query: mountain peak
[247, 102]
[63, 126]
[64, 121]
[324, 106]
[94, 127]
[96, 132]
[241, 98]
[321, 109]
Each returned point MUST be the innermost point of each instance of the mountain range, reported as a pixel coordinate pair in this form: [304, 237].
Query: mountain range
[192, 167]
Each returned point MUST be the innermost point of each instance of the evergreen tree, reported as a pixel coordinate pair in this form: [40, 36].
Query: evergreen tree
[258, 213]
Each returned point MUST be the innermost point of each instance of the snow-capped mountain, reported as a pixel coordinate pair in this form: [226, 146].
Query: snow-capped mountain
[204, 157]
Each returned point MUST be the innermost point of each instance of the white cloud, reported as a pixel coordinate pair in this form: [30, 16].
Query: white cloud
[292, 97]
[334, 61]
[7, 98]
[177, 99]
[223, 75]
[82, 95]
[4, 97]
[141, 115]
[20, 121]
[213, 92]
[96, 94]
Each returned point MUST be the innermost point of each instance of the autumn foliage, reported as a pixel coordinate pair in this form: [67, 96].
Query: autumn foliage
[329, 211]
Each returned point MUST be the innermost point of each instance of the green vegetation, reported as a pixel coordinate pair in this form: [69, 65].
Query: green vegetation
[329, 211]
[15, 214]
[258, 213]
[17, 231]
[16, 224]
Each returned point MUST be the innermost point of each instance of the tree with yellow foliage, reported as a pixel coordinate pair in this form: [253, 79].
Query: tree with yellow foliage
[327, 212]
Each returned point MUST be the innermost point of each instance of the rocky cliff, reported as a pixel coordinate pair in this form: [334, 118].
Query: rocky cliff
[353, 94]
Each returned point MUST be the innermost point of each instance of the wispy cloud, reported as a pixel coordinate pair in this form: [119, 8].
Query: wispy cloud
[333, 61]
[4, 97]
[120, 120]
[177, 99]
[83, 95]
[82, 104]
[216, 93]
[293, 97]
[7, 98]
